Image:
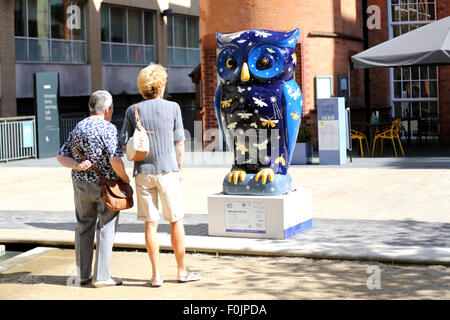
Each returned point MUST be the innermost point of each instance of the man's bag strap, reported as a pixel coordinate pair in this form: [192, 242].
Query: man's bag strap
[83, 158]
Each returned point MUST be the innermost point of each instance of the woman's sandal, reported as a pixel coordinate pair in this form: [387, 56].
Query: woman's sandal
[190, 276]
[157, 283]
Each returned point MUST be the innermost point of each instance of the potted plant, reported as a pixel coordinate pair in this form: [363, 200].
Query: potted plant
[303, 151]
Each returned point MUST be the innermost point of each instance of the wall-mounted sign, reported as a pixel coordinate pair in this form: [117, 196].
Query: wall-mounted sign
[46, 92]
[343, 88]
[27, 135]
[324, 87]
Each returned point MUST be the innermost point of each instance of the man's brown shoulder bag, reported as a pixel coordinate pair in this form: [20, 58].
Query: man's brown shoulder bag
[118, 195]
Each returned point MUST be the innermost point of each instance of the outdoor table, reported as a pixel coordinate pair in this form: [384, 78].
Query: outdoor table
[369, 128]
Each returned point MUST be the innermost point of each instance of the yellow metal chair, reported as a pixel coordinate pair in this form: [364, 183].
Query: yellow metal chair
[361, 136]
[391, 133]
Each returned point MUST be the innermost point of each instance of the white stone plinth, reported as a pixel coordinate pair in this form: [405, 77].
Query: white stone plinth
[265, 217]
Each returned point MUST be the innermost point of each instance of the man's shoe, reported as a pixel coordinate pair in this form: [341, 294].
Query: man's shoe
[84, 281]
[106, 283]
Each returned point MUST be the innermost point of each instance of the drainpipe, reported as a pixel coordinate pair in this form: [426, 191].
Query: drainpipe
[366, 70]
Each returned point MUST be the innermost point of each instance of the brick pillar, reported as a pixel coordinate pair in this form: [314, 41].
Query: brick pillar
[299, 67]
[209, 81]
[94, 44]
[309, 115]
[379, 77]
[161, 52]
[443, 10]
[8, 107]
[444, 105]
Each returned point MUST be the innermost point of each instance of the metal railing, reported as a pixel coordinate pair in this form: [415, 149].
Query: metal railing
[67, 122]
[17, 138]
[18, 134]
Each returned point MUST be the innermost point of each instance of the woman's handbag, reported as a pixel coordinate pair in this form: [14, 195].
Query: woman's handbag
[118, 195]
[139, 145]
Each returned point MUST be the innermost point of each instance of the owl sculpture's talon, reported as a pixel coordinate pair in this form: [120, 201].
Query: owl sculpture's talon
[237, 174]
[264, 174]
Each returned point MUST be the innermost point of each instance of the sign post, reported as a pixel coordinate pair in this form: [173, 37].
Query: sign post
[332, 131]
[46, 92]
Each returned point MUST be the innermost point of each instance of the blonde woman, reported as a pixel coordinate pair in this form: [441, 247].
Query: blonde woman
[159, 174]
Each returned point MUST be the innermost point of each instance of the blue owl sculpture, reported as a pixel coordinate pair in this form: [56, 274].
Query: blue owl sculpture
[259, 107]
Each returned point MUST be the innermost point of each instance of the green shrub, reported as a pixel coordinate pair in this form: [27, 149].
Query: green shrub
[304, 134]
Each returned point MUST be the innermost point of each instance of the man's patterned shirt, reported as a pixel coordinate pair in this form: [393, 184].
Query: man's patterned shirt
[97, 140]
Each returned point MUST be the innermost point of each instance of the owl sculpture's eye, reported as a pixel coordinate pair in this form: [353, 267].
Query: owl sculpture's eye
[229, 63]
[265, 61]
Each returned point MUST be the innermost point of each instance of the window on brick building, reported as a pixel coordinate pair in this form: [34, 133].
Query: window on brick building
[414, 89]
[50, 30]
[127, 35]
[182, 40]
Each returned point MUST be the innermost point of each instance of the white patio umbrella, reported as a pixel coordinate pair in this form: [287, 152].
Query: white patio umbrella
[428, 45]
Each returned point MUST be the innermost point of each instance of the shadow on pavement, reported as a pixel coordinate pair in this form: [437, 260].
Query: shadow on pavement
[190, 229]
[366, 232]
[261, 278]
[25, 277]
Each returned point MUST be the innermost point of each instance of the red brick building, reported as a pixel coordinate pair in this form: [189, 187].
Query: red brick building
[331, 32]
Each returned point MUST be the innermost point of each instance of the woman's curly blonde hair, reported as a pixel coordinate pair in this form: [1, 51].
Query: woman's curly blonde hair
[152, 80]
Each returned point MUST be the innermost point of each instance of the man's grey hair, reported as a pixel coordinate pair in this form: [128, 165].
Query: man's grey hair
[100, 101]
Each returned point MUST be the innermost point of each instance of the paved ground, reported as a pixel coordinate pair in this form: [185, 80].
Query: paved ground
[373, 209]
[415, 188]
[396, 232]
[230, 277]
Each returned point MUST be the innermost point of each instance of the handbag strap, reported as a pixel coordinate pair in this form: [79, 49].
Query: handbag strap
[138, 121]
[83, 158]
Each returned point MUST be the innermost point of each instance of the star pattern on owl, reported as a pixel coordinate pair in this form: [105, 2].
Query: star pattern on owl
[258, 104]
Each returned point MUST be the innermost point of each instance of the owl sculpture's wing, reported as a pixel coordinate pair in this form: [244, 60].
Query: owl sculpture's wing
[293, 114]
[222, 124]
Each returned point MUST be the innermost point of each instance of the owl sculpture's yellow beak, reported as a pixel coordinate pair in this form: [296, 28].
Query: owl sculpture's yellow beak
[245, 74]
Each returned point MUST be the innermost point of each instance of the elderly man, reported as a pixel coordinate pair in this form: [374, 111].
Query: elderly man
[97, 139]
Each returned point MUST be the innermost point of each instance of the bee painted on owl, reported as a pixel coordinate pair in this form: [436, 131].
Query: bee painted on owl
[258, 106]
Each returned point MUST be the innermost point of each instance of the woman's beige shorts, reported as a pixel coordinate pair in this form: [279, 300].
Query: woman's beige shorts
[168, 186]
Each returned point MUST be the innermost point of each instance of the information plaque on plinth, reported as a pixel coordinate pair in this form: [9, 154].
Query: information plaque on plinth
[265, 217]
